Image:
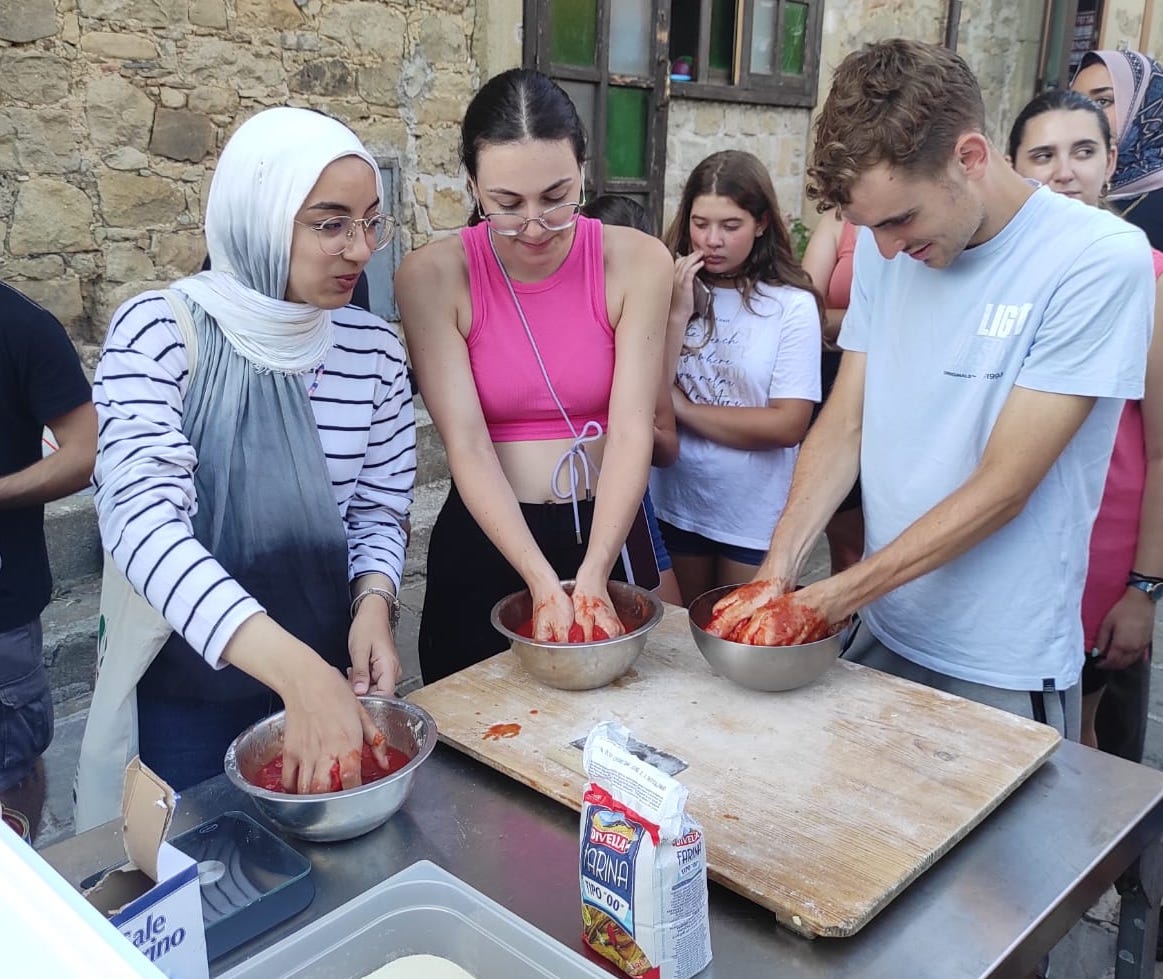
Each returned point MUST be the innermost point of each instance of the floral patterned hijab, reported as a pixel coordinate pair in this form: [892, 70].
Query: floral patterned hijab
[1138, 86]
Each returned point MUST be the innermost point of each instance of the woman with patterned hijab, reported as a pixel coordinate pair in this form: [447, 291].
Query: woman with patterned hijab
[255, 466]
[1128, 86]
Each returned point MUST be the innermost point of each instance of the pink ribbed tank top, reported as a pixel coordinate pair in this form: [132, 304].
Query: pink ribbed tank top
[840, 284]
[567, 315]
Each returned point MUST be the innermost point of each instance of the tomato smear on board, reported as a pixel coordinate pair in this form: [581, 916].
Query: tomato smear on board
[498, 731]
[270, 776]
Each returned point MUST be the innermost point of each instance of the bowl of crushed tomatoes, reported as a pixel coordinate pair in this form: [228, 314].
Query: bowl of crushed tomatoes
[580, 665]
[763, 667]
[254, 759]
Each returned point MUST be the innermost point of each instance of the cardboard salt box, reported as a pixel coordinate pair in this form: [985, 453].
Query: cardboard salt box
[154, 900]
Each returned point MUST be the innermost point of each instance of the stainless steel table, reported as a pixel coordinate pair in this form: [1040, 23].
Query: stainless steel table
[991, 907]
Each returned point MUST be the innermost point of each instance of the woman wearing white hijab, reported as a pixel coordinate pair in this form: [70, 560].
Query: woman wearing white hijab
[254, 478]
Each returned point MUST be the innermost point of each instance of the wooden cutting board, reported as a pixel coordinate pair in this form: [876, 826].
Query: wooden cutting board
[821, 804]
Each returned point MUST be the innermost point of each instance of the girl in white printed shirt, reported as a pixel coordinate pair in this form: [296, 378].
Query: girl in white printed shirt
[747, 372]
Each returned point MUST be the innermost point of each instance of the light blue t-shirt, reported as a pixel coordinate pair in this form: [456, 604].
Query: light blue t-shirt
[1061, 300]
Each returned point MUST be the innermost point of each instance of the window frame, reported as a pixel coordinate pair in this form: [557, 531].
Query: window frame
[755, 88]
[536, 48]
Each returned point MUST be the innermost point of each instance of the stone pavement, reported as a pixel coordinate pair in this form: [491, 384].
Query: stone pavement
[1088, 952]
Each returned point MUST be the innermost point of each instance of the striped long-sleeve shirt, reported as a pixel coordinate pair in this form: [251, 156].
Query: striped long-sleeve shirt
[362, 405]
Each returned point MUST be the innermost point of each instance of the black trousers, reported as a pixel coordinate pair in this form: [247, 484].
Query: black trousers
[1121, 722]
[467, 576]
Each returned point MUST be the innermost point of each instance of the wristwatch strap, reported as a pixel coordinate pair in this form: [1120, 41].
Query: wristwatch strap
[1152, 589]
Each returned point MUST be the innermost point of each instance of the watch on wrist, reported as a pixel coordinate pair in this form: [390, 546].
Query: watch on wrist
[1152, 589]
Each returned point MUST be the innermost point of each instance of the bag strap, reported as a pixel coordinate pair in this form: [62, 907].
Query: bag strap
[185, 320]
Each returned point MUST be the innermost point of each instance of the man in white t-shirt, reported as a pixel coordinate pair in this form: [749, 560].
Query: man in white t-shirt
[993, 333]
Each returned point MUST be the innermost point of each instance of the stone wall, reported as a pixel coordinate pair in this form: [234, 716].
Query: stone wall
[698, 128]
[1132, 24]
[1000, 41]
[112, 113]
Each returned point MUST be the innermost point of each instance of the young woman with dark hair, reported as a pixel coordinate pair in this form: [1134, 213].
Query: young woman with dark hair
[530, 333]
[1063, 139]
[745, 379]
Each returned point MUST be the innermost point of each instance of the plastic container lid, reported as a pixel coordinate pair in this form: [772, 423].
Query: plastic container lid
[421, 910]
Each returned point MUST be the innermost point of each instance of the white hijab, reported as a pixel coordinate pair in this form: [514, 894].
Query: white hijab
[264, 175]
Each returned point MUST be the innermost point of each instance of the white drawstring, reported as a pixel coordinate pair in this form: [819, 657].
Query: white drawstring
[575, 457]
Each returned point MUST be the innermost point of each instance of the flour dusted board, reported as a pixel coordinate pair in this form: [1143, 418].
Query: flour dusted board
[821, 804]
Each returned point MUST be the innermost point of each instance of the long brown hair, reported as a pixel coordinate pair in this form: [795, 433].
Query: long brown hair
[743, 179]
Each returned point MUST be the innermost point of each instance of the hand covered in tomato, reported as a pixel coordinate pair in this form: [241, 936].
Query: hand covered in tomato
[552, 617]
[784, 621]
[595, 614]
[326, 729]
[737, 607]
[270, 776]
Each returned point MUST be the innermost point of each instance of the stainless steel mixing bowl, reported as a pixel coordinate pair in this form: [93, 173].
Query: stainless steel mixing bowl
[341, 815]
[581, 666]
[763, 667]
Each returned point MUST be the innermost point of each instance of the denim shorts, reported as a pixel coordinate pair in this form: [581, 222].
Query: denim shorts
[688, 544]
[660, 553]
[26, 717]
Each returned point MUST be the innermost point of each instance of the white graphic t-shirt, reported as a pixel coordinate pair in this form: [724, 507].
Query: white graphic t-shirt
[769, 351]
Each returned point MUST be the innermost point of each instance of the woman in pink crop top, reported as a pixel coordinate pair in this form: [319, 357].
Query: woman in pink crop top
[1064, 140]
[530, 333]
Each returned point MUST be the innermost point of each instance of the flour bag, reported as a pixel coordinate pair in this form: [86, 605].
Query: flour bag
[643, 864]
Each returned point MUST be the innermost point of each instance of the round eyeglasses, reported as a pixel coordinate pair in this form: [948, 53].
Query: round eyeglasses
[560, 217]
[336, 234]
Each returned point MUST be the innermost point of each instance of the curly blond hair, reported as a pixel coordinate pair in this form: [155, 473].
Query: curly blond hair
[900, 102]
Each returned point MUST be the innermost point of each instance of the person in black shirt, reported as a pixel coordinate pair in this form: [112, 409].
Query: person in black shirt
[41, 384]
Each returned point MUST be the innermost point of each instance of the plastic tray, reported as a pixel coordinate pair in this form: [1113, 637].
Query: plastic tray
[421, 910]
[250, 879]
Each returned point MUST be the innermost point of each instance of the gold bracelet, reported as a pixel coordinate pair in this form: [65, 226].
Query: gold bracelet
[387, 596]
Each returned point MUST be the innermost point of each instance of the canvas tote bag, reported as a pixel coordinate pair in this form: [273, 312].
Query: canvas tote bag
[131, 626]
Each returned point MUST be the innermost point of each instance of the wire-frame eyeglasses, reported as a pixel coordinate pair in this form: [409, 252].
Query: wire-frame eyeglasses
[337, 233]
[560, 217]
